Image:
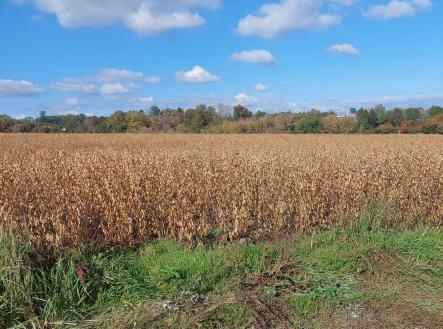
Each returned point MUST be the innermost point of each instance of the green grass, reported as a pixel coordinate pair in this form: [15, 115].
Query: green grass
[365, 268]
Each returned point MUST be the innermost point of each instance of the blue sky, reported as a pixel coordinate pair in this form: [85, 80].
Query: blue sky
[99, 56]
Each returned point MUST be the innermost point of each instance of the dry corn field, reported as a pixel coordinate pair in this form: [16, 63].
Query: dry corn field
[120, 190]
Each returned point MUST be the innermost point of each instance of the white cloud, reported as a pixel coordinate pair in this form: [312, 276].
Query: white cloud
[145, 22]
[275, 19]
[117, 75]
[391, 10]
[152, 79]
[90, 85]
[112, 74]
[344, 48]
[115, 88]
[423, 4]
[69, 85]
[144, 100]
[257, 56]
[142, 16]
[197, 75]
[397, 8]
[261, 87]
[72, 101]
[19, 88]
[244, 99]
[68, 112]
[325, 21]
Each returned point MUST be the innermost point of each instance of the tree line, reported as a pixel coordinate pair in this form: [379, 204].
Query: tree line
[206, 119]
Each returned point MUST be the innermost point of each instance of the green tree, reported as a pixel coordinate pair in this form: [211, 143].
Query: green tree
[199, 118]
[434, 110]
[373, 118]
[116, 122]
[259, 114]
[412, 114]
[241, 112]
[135, 120]
[309, 122]
[154, 110]
[347, 125]
[395, 116]
[379, 109]
[71, 123]
[381, 113]
[363, 119]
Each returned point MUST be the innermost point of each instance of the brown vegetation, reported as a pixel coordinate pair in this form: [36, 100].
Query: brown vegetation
[120, 190]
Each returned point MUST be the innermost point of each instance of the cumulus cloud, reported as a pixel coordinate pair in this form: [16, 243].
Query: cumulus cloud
[114, 88]
[257, 56]
[244, 99]
[152, 79]
[19, 88]
[261, 87]
[71, 86]
[107, 77]
[197, 75]
[116, 75]
[423, 4]
[344, 48]
[142, 16]
[112, 74]
[144, 100]
[397, 8]
[145, 22]
[325, 21]
[275, 19]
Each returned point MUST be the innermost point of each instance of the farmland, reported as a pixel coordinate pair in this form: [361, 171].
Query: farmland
[221, 231]
[122, 190]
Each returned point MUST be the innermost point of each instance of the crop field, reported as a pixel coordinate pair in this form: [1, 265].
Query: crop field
[122, 190]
